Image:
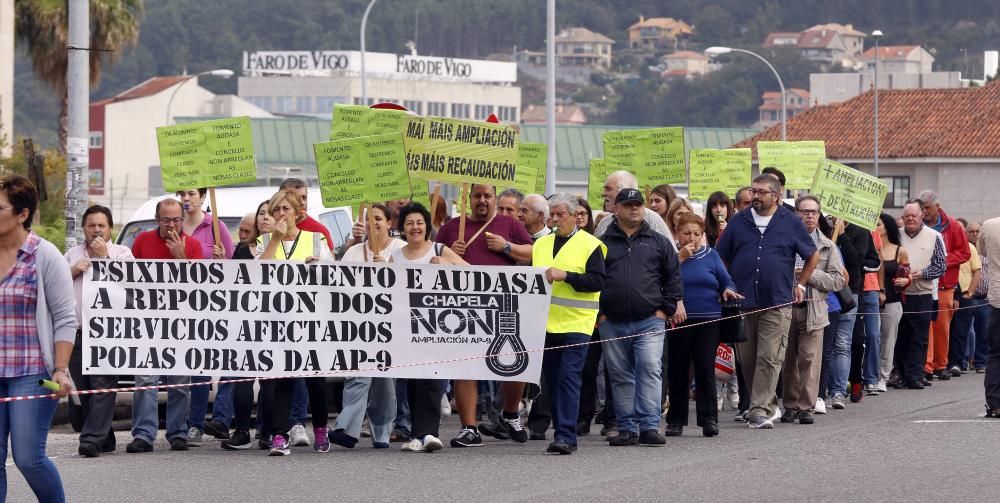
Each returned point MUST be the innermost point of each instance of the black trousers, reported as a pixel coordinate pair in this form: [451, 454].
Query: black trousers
[99, 408]
[588, 390]
[282, 403]
[910, 352]
[424, 396]
[243, 404]
[695, 346]
[540, 416]
[992, 382]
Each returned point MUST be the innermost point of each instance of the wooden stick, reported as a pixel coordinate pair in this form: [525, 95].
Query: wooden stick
[649, 192]
[361, 218]
[464, 207]
[372, 236]
[435, 199]
[215, 217]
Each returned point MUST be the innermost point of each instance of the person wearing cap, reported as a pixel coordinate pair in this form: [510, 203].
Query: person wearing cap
[642, 290]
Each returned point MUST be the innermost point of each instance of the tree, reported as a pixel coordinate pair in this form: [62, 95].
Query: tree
[52, 224]
[42, 25]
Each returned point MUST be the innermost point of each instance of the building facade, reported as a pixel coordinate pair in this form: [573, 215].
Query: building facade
[899, 59]
[826, 44]
[827, 88]
[579, 46]
[658, 33]
[796, 102]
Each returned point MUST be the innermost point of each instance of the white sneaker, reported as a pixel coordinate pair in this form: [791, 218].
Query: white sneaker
[445, 406]
[881, 386]
[776, 416]
[414, 445]
[432, 443]
[297, 436]
[733, 396]
[820, 407]
[366, 429]
[722, 402]
[194, 437]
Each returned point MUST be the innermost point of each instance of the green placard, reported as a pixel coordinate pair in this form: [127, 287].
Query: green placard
[714, 170]
[796, 159]
[525, 178]
[459, 151]
[381, 121]
[654, 156]
[595, 185]
[354, 121]
[419, 192]
[206, 154]
[849, 194]
[534, 155]
[362, 170]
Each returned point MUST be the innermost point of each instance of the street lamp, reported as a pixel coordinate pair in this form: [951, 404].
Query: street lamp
[220, 72]
[877, 34]
[364, 76]
[714, 52]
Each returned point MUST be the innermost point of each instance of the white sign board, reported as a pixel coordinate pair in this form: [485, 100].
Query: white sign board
[280, 318]
[378, 64]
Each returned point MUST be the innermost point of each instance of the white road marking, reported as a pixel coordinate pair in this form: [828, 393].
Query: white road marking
[958, 421]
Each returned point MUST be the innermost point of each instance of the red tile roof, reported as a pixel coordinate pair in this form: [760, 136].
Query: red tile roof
[957, 123]
[890, 52]
[148, 88]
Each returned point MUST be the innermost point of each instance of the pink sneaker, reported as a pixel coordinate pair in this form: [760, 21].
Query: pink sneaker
[279, 446]
[322, 443]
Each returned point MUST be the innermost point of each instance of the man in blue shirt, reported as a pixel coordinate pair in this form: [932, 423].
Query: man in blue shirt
[759, 246]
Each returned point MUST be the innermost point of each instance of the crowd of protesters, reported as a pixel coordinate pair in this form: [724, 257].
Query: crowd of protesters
[819, 313]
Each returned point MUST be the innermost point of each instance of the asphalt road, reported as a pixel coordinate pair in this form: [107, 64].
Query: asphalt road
[930, 445]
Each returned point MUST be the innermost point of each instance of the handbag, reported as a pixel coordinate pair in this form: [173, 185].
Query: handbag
[846, 299]
[731, 325]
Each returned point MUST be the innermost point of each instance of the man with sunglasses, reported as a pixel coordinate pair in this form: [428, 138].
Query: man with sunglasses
[167, 241]
[759, 247]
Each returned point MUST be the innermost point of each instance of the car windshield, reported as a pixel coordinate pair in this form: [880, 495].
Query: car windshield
[132, 229]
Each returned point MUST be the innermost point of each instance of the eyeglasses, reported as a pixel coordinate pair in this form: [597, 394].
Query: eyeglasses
[808, 212]
[756, 192]
[168, 221]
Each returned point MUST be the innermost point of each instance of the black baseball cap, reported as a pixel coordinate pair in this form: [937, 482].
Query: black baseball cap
[629, 196]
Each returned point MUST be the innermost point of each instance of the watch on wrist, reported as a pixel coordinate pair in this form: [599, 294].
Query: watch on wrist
[506, 248]
[800, 285]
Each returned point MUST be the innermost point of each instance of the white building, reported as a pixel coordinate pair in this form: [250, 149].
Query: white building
[6, 75]
[124, 159]
[899, 59]
[827, 88]
[311, 82]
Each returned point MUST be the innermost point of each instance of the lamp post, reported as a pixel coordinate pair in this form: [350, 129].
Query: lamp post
[713, 52]
[364, 75]
[220, 72]
[877, 34]
[550, 96]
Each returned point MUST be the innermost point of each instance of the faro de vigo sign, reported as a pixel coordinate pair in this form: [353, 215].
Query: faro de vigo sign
[327, 63]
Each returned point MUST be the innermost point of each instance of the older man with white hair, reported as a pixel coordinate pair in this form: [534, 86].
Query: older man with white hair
[574, 263]
[534, 213]
[612, 186]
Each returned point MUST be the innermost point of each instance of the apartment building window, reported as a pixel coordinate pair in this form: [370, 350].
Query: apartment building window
[507, 114]
[899, 191]
[460, 110]
[437, 109]
[324, 104]
[263, 102]
[414, 106]
[483, 111]
[96, 139]
[303, 104]
[357, 101]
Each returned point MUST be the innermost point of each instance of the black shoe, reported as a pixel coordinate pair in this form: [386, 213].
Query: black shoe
[264, 444]
[789, 416]
[493, 430]
[178, 444]
[710, 428]
[537, 435]
[673, 430]
[651, 437]
[956, 371]
[108, 446]
[88, 450]
[994, 413]
[341, 438]
[238, 441]
[514, 427]
[582, 429]
[942, 375]
[139, 445]
[805, 417]
[560, 447]
[607, 429]
[914, 385]
[929, 376]
[217, 429]
[624, 438]
[926, 382]
[468, 437]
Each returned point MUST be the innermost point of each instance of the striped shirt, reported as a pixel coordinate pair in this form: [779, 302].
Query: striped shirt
[20, 349]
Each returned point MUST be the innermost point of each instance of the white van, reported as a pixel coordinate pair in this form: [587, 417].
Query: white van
[238, 201]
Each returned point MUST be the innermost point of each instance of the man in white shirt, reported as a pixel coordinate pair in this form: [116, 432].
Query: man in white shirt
[97, 435]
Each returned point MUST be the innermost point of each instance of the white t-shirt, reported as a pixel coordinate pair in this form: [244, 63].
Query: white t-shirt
[433, 251]
[361, 253]
[760, 221]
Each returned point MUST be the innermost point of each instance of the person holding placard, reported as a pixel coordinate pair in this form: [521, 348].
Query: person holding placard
[376, 396]
[288, 242]
[495, 240]
[423, 395]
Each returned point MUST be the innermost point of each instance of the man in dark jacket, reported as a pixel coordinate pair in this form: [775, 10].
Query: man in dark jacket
[643, 289]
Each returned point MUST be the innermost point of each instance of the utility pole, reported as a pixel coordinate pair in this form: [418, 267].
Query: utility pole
[78, 137]
[550, 96]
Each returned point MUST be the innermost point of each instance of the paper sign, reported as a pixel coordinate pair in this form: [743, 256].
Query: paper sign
[354, 121]
[525, 178]
[534, 155]
[654, 156]
[364, 169]
[797, 160]
[718, 170]
[849, 194]
[460, 151]
[206, 154]
[595, 184]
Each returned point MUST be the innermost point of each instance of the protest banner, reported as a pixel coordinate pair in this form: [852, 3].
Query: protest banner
[654, 156]
[847, 193]
[525, 178]
[362, 170]
[718, 170]
[459, 151]
[280, 318]
[595, 184]
[796, 159]
[206, 154]
[534, 155]
[354, 121]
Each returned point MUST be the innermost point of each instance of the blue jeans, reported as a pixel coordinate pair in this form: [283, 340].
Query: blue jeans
[403, 421]
[145, 419]
[636, 371]
[377, 396]
[868, 305]
[222, 408]
[26, 424]
[981, 323]
[563, 370]
[840, 365]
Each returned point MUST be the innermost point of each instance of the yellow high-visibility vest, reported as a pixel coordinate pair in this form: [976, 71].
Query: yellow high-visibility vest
[307, 245]
[570, 311]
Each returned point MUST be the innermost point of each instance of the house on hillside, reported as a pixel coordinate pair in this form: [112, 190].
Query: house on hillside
[946, 140]
[566, 115]
[826, 44]
[658, 33]
[579, 46]
[796, 102]
[685, 64]
[899, 59]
